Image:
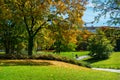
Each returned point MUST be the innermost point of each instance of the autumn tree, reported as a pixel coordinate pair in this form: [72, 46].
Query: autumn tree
[108, 7]
[36, 14]
[64, 35]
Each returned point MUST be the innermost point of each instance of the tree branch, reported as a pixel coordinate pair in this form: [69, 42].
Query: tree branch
[39, 28]
[27, 27]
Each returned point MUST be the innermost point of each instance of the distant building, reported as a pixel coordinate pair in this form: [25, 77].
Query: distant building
[93, 28]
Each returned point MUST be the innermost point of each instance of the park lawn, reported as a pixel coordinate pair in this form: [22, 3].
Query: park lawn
[55, 71]
[67, 54]
[72, 54]
[2, 52]
[112, 62]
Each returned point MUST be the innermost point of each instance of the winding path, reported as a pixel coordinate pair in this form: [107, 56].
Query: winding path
[82, 57]
[103, 69]
[110, 70]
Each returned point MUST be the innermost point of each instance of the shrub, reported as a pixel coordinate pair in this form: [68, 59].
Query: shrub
[13, 56]
[99, 46]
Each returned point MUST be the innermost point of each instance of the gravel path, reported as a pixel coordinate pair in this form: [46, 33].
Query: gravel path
[82, 57]
[103, 69]
[110, 70]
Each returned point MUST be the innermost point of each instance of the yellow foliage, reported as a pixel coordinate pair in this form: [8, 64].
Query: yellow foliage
[70, 36]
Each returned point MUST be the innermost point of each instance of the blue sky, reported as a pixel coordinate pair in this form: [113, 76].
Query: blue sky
[89, 15]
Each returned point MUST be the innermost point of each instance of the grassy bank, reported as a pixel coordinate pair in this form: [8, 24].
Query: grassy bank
[112, 62]
[54, 71]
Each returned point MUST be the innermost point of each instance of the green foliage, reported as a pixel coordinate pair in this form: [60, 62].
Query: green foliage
[82, 39]
[99, 46]
[60, 47]
[71, 47]
[82, 45]
[113, 34]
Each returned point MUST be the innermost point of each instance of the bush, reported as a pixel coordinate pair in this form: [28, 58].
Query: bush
[60, 47]
[100, 47]
[14, 56]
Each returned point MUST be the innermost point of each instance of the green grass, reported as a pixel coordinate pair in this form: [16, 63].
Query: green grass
[2, 52]
[53, 73]
[67, 54]
[72, 54]
[112, 62]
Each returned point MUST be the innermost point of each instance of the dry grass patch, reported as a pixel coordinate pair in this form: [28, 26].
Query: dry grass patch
[40, 63]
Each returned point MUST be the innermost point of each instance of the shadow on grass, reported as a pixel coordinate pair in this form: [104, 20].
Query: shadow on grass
[24, 63]
[93, 60]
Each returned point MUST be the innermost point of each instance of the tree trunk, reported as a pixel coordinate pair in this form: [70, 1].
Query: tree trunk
[6, 45]
[30, 45]
[7, 50]
[9, 46]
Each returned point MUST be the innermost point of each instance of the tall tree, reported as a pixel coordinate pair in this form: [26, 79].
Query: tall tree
[36, 14]
[108, 7]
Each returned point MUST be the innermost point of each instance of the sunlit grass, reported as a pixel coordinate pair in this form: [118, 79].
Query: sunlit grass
[2, 52]
[54, 72]
[66, 54]
[112, 62]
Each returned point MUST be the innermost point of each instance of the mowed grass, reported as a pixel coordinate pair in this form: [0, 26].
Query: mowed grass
[2, 52]
[112, 62]
[67, 54]
[56, 71]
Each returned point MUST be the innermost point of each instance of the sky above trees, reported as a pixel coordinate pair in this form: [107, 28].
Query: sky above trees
[89, 15]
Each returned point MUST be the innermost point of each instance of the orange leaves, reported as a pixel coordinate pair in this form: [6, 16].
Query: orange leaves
[78, 19]
[70, 36]
[49, 1]
[85, 34]
[61, 6]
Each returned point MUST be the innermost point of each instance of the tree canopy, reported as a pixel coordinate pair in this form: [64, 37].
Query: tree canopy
[33, 15]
